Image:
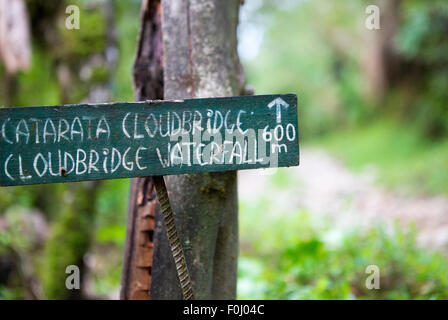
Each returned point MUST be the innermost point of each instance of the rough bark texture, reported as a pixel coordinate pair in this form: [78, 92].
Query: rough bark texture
[200, 60]
[148, 84]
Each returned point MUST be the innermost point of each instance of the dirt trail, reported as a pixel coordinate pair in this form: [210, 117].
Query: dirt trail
[328, 190]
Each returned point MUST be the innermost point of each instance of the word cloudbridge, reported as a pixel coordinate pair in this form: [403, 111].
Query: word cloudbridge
[123, 140]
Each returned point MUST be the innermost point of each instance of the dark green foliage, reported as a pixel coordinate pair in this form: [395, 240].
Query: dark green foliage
[77, 45]
[422, 42]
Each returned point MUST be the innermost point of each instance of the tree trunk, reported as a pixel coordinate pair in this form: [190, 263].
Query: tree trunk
[382, 63]
[199, 60]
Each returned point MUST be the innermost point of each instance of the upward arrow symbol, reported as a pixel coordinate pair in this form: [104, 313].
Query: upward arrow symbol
[278, 103]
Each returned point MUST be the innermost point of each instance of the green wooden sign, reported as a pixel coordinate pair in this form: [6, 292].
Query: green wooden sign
[123, 140]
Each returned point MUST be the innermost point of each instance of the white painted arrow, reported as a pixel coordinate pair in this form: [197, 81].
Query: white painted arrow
[278, 103]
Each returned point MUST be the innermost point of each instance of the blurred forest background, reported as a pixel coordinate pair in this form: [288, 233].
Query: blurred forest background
[372, 187]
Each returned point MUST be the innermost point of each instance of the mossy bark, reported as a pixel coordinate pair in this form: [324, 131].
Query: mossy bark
[70, 239]
[74, 224]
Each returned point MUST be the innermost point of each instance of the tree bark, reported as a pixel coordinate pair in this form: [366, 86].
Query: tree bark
[200, 60]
